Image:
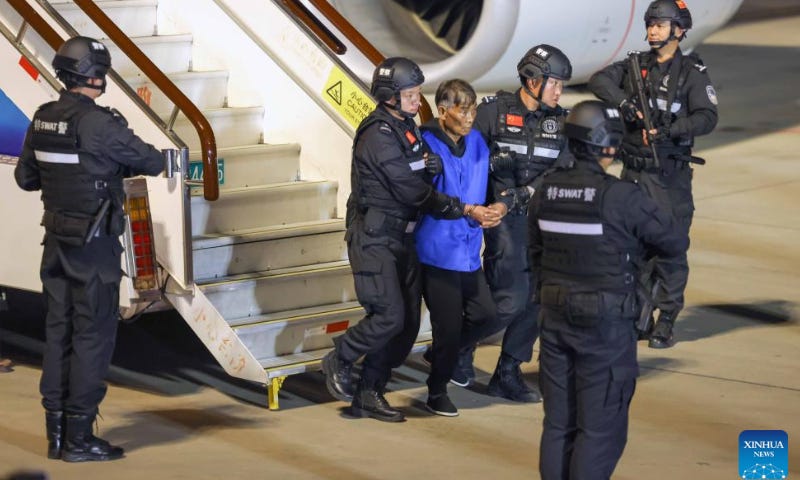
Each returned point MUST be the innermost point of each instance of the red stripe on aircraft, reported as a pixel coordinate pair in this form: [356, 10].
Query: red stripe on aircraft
[624, 37]
[28, 67]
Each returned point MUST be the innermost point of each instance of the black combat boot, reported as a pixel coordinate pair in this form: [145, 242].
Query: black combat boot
[338, 376]
[662, 333]
[54, 422]
[370, 402]
[507, 382]
[82, 446]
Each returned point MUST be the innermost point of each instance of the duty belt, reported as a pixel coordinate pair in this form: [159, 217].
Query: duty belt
[598, 302]
[377, 222]
[399, 225]
[647, 164]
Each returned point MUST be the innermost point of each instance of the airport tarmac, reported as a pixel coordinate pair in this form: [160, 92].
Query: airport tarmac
[735, 366]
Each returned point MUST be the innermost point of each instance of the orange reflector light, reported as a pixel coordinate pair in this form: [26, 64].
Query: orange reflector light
[139, 246]
[336, 326]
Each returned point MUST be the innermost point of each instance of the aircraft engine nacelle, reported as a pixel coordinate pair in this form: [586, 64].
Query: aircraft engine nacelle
[482, 40]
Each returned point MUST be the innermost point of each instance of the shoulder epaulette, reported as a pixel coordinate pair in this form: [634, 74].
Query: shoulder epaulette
[116, 115]
[489, 99]
[694, 60]
[384, 128]
[45, 105]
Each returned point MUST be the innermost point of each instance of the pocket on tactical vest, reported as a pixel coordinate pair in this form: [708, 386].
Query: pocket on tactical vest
[69, 228]
[585, 309]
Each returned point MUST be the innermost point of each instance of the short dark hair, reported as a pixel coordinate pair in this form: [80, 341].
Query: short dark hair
[455, 92]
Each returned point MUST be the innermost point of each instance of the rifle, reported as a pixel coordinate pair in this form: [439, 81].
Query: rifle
[637, 84]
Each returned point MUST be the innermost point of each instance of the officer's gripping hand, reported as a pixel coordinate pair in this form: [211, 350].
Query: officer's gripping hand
[521, 195]
[501, 160]
[656, 136]
[433, 164]
[630, 113]
[443, 206]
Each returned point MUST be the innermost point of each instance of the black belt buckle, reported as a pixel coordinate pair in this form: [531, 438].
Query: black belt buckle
[100, 185]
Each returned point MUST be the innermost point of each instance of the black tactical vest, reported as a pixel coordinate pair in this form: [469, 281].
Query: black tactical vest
[536, 145]
[367, 191]
[669, 93]
[67, 187]
[577, 249]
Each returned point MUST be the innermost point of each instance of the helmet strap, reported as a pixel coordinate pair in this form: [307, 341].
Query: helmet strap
[530, 93]
[398, 107]
[542, 87]
[661, 44]
[81, 81]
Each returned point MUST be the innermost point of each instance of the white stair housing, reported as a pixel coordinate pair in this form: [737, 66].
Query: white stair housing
[272, 280]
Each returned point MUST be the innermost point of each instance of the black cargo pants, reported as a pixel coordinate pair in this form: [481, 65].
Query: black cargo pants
[672, 192]
[587, 376]
[388, 285]
[81, 287]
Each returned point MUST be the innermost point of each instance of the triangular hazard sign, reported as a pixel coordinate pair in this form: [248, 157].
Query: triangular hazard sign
[335, 92]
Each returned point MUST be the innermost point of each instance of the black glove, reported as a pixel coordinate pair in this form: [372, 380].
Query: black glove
[501, 160]
[521, 195]
[433, 164]
[629, 112]
[661, 136]
[444, 206]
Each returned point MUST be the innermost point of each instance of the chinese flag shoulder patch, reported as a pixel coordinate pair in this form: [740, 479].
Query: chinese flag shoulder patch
[514, 120]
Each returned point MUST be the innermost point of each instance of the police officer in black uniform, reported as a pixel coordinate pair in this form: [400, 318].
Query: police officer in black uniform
[391, 185]
[588, 232]
[683, 104]
[524, 131]
[77, 154]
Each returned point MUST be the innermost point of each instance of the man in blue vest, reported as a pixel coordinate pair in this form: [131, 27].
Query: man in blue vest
[77, 154]
[453, 283]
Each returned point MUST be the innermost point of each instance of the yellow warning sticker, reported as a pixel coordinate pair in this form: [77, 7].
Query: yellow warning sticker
[352, 103]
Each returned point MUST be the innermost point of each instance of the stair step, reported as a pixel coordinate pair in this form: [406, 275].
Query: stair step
[296, 331]
[282, 289]
[258, 164]
[207, 90]
[264, 249]
[232, 127]
[170, 53]
[311, 360]
[241, 209]
[137, 18]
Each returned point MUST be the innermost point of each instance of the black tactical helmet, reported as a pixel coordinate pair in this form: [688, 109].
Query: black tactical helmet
[392, 75]
[595, 123]
[675, 11]
[82, 58]
[544, 61]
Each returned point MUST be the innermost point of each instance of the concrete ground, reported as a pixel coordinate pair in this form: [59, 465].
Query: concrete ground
[734, 368]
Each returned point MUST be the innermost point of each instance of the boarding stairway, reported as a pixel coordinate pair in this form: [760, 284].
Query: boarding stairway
[272, 283]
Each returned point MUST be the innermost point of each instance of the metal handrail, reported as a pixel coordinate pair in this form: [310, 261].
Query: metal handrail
[344, 26]
[208, 145]
[193, 114]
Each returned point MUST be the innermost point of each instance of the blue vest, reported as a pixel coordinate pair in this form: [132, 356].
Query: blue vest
[456, 244]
